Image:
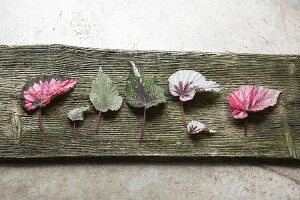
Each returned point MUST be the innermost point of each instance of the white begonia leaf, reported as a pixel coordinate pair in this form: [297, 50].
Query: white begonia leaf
[76, 114]
[195, 127]
[104, 94]
[184, 84]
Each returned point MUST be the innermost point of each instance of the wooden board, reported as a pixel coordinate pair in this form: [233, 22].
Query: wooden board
[274, 133]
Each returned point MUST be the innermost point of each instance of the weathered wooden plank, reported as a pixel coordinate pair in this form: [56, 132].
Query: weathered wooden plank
[274, 133]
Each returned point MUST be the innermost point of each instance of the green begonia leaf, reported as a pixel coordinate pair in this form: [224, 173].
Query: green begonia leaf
[141, 90]
[104, 94]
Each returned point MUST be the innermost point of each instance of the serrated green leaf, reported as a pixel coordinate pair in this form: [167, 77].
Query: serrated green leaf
[141, 90]
[104, 94]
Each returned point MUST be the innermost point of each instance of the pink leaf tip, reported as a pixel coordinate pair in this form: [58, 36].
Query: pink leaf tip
[251, 98]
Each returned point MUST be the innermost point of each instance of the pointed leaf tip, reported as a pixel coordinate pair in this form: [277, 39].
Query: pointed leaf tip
[141, 90]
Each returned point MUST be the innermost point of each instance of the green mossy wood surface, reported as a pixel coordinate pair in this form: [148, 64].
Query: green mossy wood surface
[273, 133]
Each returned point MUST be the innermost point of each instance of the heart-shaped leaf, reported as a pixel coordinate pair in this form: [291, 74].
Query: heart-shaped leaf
[104, 95]
[142, 92]
[185, 83]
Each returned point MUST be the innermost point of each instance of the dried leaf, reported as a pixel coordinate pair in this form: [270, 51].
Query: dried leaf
[142, 91]
[104, 94]
[251, 98]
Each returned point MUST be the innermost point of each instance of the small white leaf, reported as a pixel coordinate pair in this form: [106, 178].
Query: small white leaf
[76, 114]
[195, 127]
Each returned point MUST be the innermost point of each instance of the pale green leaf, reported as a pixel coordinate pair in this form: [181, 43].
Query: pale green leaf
[104, 94]
[76, 114]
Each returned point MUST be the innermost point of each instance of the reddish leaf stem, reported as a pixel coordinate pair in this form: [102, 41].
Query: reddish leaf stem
[245, 126]
[182, 115]
[74, 129]
[98, 122]
[41, 121]
[143, 127]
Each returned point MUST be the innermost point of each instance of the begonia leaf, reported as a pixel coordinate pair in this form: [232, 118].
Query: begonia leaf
[185, 83]
[142, 92]
[39, 92]
[195, 127]
[104, 95]
[251, 98]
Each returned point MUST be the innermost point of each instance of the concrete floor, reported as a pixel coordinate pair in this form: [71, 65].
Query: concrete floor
[261, 26]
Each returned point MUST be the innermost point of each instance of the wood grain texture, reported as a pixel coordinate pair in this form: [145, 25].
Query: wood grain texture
[274, 133]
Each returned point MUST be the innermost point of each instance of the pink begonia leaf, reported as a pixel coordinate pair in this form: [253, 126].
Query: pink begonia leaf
[251, 98]
[184, 84]
[39, 92]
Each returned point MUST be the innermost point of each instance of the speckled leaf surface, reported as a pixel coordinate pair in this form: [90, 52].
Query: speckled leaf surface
[141, 90]
[104, 94]
[76, 114]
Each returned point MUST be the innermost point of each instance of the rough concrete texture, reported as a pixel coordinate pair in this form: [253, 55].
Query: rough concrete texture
[265, 26]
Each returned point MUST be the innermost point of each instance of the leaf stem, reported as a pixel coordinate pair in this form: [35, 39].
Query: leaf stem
[74, 129]
[41, 121]
[98, 122]
[143, 127]
[246, 126]
[182, 115]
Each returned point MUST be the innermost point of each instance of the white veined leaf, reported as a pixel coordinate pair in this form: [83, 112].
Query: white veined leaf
[185, 83]
[195, 127]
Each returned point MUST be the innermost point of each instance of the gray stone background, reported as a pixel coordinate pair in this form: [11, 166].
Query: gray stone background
[252, 26]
